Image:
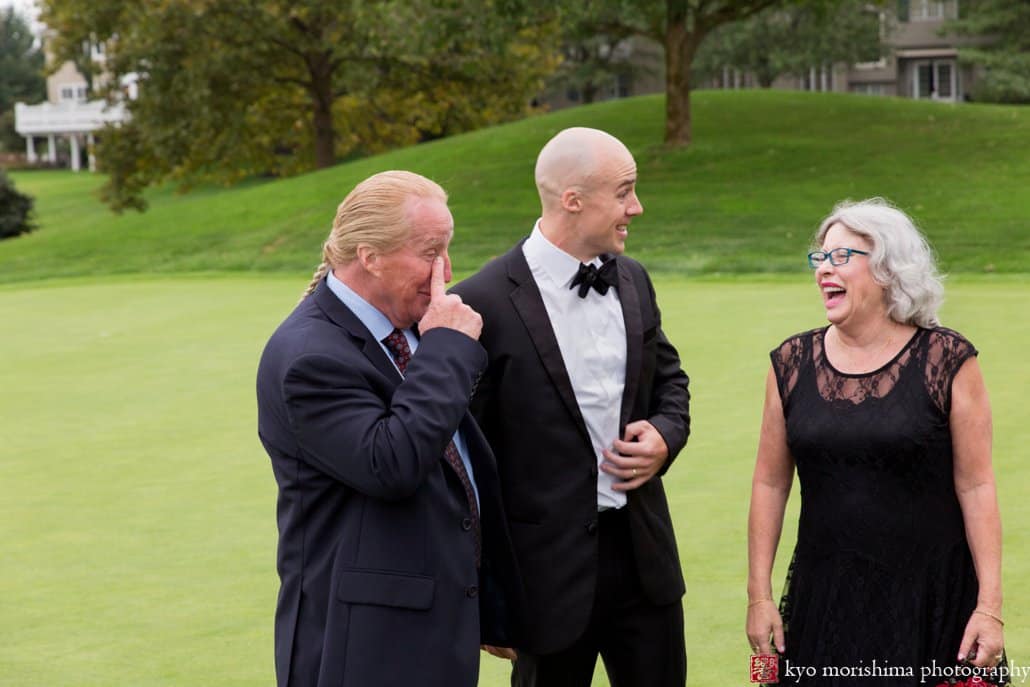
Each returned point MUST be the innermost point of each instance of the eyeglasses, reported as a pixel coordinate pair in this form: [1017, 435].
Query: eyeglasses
[837, 256]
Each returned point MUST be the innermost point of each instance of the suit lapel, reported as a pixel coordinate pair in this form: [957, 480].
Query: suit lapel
[340, 315]
[530, 307]
[630, 301]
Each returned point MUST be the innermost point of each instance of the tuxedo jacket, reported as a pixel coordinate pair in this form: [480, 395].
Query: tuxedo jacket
[526, 407]
[379, 584]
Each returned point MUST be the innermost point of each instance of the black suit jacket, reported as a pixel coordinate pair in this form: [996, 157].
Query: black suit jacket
[527, 409]
[376, 554]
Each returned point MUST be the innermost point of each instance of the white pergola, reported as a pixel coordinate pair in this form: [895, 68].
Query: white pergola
[72, 120]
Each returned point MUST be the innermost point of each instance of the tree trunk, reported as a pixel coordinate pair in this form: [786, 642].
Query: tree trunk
[766, 74]
[325, 136]
[680, 48]
[589, 92]
[321, 91]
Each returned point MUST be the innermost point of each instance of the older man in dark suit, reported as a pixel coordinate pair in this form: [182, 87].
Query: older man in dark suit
[393, 556]
[585, 405]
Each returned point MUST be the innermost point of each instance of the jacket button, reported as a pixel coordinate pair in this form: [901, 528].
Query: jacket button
[466, 524]
[471, 591]
[592, 527]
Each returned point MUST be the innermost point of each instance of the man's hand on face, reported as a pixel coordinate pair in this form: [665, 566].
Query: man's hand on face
[448, 310]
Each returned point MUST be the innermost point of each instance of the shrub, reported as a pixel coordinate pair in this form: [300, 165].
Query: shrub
[15, 210]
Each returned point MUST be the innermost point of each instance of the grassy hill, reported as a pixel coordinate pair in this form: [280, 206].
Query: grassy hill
[765, 168]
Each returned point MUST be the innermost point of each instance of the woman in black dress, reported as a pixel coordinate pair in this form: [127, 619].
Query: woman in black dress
[896, 575]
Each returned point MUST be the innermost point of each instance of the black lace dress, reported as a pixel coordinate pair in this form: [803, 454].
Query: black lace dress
[882, 582]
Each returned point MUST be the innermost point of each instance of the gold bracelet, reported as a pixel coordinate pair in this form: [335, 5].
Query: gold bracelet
[757, 601]
[990, 615]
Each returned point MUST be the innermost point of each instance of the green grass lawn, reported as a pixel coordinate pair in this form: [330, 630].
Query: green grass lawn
[745, 197]
[139, 508]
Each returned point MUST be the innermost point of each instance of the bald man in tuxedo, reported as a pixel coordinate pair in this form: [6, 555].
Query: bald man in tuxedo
[585, 405]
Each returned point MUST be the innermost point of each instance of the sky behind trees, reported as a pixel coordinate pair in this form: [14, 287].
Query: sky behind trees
[27, 9]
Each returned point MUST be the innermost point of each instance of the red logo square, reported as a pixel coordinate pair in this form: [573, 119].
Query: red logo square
[765, 668]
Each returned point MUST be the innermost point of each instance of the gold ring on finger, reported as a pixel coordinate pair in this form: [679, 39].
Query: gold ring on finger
[635, 471]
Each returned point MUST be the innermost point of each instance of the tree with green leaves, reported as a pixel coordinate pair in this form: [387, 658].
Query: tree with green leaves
[687, 23]
[77, 30]
[793, 39]
[595, 46]
[21, 74]
[1002, 50]
[230, 89]
[680, 26]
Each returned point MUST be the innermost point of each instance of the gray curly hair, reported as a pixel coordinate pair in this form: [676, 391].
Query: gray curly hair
[901, 259]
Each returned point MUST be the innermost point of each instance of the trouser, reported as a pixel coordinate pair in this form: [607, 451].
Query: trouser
[640, 644]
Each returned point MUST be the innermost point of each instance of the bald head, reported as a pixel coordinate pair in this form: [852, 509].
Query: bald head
[587, 182]
[572, 160]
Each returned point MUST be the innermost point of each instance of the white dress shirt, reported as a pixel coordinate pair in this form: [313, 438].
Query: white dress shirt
[592, 338]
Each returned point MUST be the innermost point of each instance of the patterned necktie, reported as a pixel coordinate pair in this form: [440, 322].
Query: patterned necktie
[397, 344]
[600, 279]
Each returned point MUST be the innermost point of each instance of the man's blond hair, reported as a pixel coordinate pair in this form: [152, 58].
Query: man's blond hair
[374, 214]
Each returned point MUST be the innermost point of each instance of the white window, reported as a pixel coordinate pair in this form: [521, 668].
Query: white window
[75, 92]
[934, 79]
[869, 88]
[932, 10]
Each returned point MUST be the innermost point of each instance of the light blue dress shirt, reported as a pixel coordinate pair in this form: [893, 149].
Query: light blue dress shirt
[380, 327]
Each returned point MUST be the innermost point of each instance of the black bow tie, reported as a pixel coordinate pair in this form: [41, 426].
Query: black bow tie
[600, 279]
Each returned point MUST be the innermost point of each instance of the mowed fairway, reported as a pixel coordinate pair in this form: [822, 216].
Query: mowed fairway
[138, 509]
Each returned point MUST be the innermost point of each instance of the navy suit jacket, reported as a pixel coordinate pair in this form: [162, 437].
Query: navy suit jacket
[379, 584]
[528, 410]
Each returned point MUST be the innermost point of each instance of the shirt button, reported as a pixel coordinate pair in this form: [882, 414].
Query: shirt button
[466, 524]
[471, 591]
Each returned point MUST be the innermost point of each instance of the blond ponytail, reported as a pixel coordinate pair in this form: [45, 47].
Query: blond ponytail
[319, 275]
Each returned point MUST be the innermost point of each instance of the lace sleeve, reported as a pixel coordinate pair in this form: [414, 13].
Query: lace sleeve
[946, 351]
[786, 363]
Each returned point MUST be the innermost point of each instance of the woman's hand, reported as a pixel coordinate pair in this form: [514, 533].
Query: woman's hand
[763, 623]
[983, 635]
